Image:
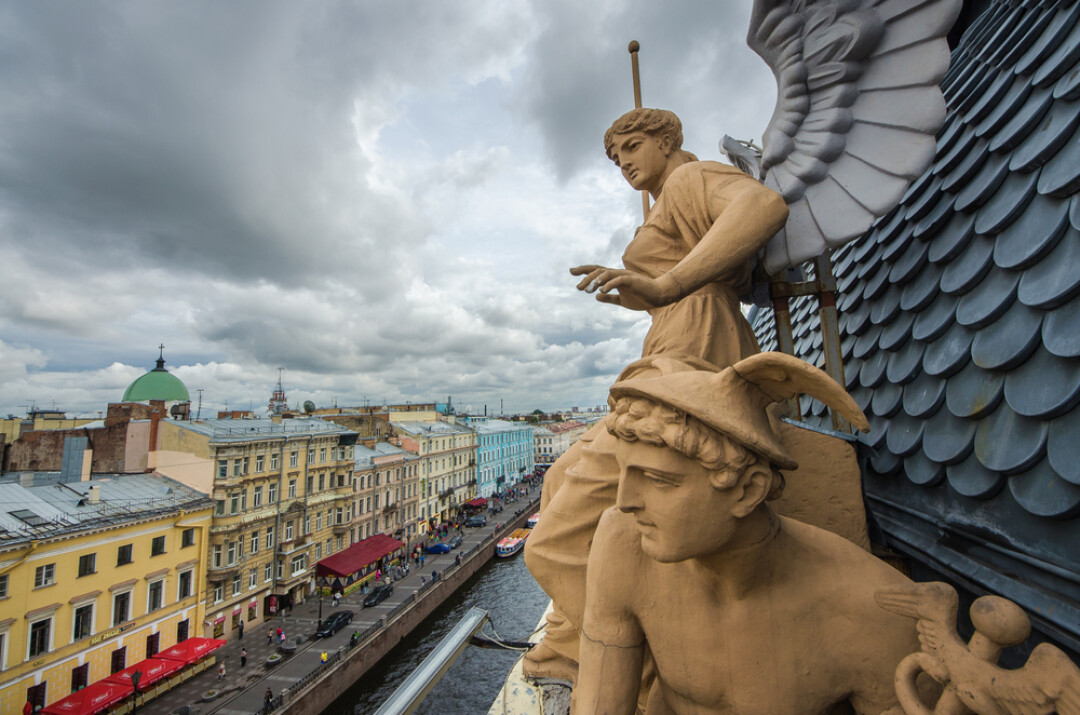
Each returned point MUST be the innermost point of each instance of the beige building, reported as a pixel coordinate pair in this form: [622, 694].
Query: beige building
[387, 492]
[447, 467]
[554, 439]
[283, 499]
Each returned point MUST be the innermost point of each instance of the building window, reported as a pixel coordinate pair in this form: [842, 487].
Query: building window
[292, 489]
[322, 482]
[318, 551]
[157, 546]
[311, 456]
[243, 500]
[318, 521]
[4, 586]
[87, 564]
[187, 538]
[288, 531]
[271, 493]
[236, 468]
[252, 577]
[38, 642]
[217, 556]
[259, 463]
[219, 507]
[232, 553]
[123, 555]
[307, 523]
[155, 595]
[294, 459]
[234, 504]
[121, 608]
[273, 462]
[83, 622]
[237, 584]
[222, 468]
[256, 497]
[310, 484]
[254, 542]
[268, 572]
[270, 537]
[219, 594]
[247, 463]
[80, 677]
[45, 575]
[299, 564]
[119, 659]
[184, 585]
[322, 454]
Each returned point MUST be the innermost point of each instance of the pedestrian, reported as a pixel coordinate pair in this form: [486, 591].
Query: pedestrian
[281, 636]
[221, 670]
[421, 561]
[269, 636]
[457, 560]
[378, 575]
[268, 701]
[241, 629]
[279, 632]
[323, 657]
[422, 582]
[243, 657]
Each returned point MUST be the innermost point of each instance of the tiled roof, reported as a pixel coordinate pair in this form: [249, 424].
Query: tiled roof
[960, 310]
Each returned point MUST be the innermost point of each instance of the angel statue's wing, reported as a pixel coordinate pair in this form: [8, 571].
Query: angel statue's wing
[858, 105]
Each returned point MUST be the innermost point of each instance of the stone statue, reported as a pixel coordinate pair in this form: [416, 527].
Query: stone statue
[1049, 682]
[687, 265]
[857, 110]
[742, 610]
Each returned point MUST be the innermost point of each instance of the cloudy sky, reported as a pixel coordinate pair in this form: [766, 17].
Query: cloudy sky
[382, 199]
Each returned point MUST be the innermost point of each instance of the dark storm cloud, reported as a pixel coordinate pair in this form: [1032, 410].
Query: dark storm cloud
[693, 58]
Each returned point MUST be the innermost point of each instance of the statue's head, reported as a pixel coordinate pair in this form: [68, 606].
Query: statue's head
[697, 450]
[647, 145]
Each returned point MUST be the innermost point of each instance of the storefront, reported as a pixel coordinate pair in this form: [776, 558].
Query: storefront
[348, 570]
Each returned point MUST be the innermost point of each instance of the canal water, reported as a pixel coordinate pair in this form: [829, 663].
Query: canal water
[514, 602]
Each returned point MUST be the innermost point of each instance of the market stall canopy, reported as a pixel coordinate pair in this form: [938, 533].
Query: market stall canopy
[358, 556]
[191, 650]
[90, 700]
[152, 669]
[478, 501]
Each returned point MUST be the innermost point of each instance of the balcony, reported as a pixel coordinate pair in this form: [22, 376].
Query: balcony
[340, 529]
[446, 493]
[222, 573]
[389, 509]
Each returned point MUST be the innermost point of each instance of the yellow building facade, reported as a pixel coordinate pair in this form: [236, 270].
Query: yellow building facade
[94, 576]
[283, 499]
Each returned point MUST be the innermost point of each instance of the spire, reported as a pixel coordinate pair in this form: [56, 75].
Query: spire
[161, 358]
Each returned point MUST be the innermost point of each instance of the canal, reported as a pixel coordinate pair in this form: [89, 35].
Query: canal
[514, 602]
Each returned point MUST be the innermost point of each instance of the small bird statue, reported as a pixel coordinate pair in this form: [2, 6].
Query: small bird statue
[1048, 683]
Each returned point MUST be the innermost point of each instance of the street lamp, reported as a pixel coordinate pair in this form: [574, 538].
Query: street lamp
[319, 589]
[135, 678]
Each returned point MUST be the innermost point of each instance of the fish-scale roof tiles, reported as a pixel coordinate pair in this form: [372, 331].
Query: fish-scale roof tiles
[960, 310]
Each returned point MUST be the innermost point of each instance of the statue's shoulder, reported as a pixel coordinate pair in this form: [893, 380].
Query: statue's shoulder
[617, 539]
[704, 171]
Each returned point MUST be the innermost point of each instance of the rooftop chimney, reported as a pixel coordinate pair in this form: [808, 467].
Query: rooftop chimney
[95, 495]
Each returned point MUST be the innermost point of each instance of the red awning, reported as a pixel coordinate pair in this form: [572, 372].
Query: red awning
[478, 501]
[191, 650]
[358, 556]
[90, 700]
[152, 669]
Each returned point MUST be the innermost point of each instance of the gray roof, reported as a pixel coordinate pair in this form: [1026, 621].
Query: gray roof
[960, 310]
[232, 430]
[429, 427]
[491, 426]
[56, 508]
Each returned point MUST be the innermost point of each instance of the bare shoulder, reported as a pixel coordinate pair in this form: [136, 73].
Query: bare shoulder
[855, 571]
[617, 539]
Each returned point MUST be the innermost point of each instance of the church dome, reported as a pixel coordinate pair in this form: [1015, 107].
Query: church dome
[158, 384]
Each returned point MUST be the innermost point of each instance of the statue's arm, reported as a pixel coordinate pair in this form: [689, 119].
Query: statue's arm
[753, 215]
[612, 642]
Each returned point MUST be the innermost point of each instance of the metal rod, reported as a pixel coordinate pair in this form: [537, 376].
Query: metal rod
[830, 330]
[634, 47]
[784, 337]
[412, 692]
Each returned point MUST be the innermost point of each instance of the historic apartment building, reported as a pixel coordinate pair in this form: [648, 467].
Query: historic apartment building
[94, 576]
[505, 453]
[553, 439]
[447, 466]
[283, 499]
[387, 493]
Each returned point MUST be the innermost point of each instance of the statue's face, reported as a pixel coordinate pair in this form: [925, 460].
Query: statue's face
[643, 159]
[679, 512]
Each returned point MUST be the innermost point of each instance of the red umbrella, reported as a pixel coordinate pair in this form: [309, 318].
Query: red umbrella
[90, 700]
[152, 669]
[191, 650]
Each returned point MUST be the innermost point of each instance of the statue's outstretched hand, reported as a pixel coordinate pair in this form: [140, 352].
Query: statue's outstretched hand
[636, 291]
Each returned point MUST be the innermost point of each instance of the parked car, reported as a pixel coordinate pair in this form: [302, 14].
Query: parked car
[440, 547]
[455, 542]
[476, 521]
[380, 594]
[334, 623]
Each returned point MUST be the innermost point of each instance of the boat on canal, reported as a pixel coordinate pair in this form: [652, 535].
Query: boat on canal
[511, 544]
[533, 520]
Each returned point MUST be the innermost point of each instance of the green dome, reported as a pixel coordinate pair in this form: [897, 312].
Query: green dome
[157, 384]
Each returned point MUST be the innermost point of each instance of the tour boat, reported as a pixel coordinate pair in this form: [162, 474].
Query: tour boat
[532, 520]
[511, 544]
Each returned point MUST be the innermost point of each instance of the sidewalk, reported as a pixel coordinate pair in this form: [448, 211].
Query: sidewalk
[243, 689]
